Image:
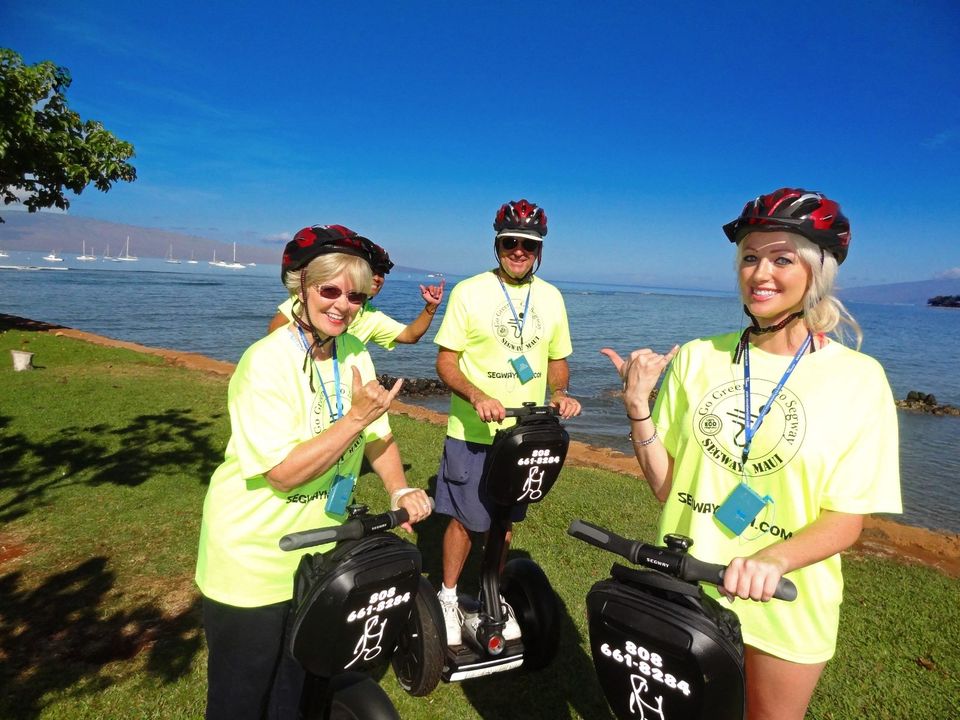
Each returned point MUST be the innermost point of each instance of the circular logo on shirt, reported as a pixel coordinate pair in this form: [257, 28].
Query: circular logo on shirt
[720, 428]
[322, 413]
[506, 328]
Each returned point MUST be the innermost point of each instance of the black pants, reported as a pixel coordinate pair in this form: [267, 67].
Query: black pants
[250, 673]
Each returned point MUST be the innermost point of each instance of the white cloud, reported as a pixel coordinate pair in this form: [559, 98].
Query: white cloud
[950, 274]
[278, 237]
[946, 137]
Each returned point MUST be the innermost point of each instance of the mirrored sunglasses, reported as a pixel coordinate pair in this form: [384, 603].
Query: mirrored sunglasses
[332, 292]
[509, 243]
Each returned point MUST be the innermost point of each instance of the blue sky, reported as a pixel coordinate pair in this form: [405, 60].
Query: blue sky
[640, 127]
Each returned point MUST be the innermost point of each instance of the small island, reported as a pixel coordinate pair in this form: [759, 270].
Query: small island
[944, 301]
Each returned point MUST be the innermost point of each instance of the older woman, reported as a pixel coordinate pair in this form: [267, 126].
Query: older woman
[768, 447]
[305, 409]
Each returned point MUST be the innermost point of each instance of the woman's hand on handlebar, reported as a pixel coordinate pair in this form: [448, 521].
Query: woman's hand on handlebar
[752, 578]
[371, 400]
[418, 506]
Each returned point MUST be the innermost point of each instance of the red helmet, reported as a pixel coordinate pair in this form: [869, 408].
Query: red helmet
[521, 218]
[380, 261]
[809, 213]
[311, 242]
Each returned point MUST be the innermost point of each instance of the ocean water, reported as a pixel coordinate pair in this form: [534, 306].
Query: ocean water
[219, 312]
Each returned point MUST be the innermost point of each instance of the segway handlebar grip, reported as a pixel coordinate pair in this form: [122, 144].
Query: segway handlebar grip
[694, 570]
[603, 539]
[351, 530]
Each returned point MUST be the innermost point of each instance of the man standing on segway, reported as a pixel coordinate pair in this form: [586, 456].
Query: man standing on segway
[504, 339]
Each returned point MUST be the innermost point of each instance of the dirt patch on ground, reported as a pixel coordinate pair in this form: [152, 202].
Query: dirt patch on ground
[880, 536]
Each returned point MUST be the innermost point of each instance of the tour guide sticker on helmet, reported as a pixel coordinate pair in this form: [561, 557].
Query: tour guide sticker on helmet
[719, 428]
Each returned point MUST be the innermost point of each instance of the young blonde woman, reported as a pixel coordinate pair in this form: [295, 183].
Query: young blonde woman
[768, 447]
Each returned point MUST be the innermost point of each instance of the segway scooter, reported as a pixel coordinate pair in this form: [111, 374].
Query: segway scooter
[661, 647]
[524, 462]
[349, 607]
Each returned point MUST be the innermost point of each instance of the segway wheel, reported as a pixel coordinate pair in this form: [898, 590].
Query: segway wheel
[418, 659]
[359, 697]
[526, 588]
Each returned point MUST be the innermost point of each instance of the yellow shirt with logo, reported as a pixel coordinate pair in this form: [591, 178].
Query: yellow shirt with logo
[272, 410]
[371, 324]
[480, 325]
[829, 442]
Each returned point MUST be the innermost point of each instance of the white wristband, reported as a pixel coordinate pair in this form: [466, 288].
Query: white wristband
[397, 494]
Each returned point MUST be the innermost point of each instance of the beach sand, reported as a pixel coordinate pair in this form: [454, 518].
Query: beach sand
[880, 536]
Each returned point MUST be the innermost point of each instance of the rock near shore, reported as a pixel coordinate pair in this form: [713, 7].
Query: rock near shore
[926, 403]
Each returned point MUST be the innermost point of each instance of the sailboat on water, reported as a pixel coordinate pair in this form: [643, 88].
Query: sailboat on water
[191, 261]
[84, 257]
[170, 258]
[127, 257]
[215, 262]
[234, 265]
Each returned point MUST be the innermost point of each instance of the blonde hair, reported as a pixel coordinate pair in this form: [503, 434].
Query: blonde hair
[822, 310]
[324, 268]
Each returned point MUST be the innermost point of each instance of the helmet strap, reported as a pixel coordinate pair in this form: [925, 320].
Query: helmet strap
[755, 328]
[318, 342]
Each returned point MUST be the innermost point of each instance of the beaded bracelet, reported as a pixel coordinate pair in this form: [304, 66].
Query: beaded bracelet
[642, 443]
[645, 417]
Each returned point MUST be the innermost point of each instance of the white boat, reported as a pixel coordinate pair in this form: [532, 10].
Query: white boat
[107, 257]
[251, 264]
[52, 257]
[170, 258]
[84, 257]
[234, 265]
[4, 254]
[191, 261]
[127, 257]
[215, 262]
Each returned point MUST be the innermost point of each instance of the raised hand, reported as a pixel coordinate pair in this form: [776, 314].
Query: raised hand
[433, 294]
[371, 400]
[640, 373]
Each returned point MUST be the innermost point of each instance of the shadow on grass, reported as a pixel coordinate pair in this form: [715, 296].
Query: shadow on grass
[169, 442]
[55, 639]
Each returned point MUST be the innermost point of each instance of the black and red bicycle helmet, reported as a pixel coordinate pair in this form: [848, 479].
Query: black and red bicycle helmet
[380, 261]
[807, 212]
[522, 219]
[311, 242]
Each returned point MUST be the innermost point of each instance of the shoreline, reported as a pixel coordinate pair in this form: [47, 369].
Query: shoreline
[881, 537]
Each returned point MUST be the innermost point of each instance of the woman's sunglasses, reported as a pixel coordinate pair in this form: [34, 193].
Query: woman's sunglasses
[509, 243]
[332, 292]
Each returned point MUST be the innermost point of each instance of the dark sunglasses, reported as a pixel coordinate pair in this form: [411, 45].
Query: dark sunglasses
[509, 243]
[332, 292]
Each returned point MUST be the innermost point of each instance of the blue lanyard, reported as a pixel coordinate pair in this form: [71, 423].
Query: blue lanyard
[526, 305]
[748, 429]
[336, 379]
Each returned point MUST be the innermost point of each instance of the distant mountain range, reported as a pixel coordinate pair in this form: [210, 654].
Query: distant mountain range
[66, 234]
[906, 293]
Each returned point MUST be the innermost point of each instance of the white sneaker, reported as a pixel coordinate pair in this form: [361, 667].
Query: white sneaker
[452, 619]
[511, 630]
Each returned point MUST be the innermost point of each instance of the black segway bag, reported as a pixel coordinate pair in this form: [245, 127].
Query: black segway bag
[664, 649]
[525, 460]
[351, 603]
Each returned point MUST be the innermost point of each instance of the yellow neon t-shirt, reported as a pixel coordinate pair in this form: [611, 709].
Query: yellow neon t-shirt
[272, 410]
[829, 442]
[480, 325]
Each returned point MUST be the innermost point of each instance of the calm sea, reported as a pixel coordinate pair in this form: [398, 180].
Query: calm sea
[219, 312]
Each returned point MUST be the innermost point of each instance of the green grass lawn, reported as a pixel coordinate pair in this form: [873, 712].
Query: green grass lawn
[104, 460]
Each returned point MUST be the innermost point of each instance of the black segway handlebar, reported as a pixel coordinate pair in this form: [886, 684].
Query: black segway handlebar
[531, 409]
[672, 560]
[353, 529]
